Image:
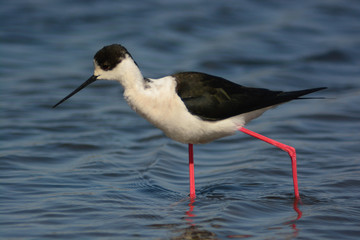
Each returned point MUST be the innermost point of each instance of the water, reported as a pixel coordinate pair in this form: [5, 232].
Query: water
[93, 169]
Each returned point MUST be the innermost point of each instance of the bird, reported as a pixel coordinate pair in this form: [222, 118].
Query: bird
[191, 107]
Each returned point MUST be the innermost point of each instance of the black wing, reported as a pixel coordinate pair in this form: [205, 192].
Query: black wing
[215, 98]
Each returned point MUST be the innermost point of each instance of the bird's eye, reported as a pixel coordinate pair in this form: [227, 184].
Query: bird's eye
[106, 67]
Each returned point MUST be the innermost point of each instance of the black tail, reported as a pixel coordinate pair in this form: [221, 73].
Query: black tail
[287, 96]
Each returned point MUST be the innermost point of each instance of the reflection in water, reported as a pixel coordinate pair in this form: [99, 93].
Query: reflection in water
[299, 215]
[296, 208]
[292, 223]
[193, 231]
[191, 209]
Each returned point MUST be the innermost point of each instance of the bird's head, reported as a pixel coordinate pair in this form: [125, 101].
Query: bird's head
[112, 62]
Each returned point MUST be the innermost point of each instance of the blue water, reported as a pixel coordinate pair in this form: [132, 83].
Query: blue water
[93, 169]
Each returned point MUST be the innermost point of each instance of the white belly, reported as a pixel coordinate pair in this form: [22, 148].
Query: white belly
[162, 107]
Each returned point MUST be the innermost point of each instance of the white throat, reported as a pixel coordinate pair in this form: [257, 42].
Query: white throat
[126, 72]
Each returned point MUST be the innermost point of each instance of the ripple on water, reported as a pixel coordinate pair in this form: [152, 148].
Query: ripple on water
[92, 168]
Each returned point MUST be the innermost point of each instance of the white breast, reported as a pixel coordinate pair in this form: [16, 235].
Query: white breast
[161, 106]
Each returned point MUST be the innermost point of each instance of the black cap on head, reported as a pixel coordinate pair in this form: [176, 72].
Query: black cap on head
[110, 56]
[107, 58]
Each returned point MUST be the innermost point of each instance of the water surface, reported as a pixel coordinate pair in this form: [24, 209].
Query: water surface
[93, 169]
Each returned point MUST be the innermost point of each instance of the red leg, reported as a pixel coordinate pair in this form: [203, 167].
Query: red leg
[290, 150]
[191, 171]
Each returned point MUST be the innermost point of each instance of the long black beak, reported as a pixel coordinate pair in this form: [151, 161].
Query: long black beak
[87, 82]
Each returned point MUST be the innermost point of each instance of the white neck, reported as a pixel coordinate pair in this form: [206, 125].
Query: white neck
[129, 75]
[126, 72]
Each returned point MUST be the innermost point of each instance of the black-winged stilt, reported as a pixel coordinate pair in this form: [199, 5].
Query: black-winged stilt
[190, 107]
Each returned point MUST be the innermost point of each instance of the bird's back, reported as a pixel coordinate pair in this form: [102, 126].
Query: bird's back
[214, 98]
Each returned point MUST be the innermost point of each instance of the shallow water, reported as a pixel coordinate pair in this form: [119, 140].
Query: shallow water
[94, 169]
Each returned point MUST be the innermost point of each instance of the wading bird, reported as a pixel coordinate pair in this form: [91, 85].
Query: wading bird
[190, 107]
